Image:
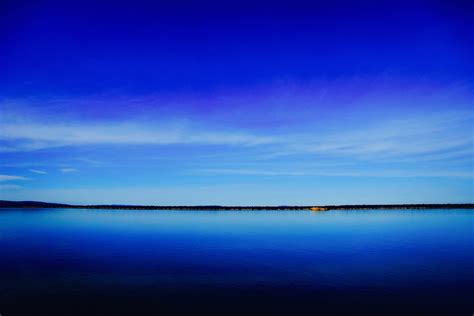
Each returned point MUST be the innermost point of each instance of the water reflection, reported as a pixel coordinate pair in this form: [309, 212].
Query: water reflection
[402, 257]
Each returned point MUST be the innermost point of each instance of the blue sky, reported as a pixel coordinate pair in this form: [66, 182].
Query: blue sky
[289, 102]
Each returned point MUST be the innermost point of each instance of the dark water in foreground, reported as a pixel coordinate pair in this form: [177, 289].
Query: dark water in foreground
[87, 262]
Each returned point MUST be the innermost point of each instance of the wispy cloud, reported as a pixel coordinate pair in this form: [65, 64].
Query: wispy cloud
[412, 125]
[68, 170]
[263, 138]
[38, 171]
[423, 136]
[90, 161]
[322, 173]
[10, 187]
[11, 178]
[31, 136]
[435, 137]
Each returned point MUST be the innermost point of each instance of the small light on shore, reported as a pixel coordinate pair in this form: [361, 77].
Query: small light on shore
[317, 208]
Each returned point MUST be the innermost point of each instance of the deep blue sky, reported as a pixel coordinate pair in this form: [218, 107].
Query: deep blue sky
[237, 102]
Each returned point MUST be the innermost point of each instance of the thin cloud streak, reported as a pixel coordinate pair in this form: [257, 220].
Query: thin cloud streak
[307, 173]
[68, 170]
[90, 161]
[37, 171]
[10, 187]
[4, 177]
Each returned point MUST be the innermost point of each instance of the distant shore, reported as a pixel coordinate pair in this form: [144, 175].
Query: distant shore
[35, 204]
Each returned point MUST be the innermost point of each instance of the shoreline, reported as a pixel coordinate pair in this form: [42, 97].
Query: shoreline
[315, 208]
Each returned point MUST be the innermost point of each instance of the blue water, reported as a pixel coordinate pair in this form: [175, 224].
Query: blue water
[110, 262]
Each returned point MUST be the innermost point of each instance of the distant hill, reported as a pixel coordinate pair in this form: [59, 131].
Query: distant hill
[28, 204]
[35, 204]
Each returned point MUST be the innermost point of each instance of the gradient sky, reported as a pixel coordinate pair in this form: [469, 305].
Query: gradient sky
[237, 102]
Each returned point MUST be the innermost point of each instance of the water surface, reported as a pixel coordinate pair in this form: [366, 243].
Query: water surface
[111, 262]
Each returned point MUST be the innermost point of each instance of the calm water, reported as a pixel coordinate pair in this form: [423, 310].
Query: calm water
[86, 262]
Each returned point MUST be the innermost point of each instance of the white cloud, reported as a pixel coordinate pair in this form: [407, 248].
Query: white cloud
[68, 170]
[11, 178]
[38, 171]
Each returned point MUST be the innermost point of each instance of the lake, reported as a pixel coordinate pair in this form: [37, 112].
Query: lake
[117, 262]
